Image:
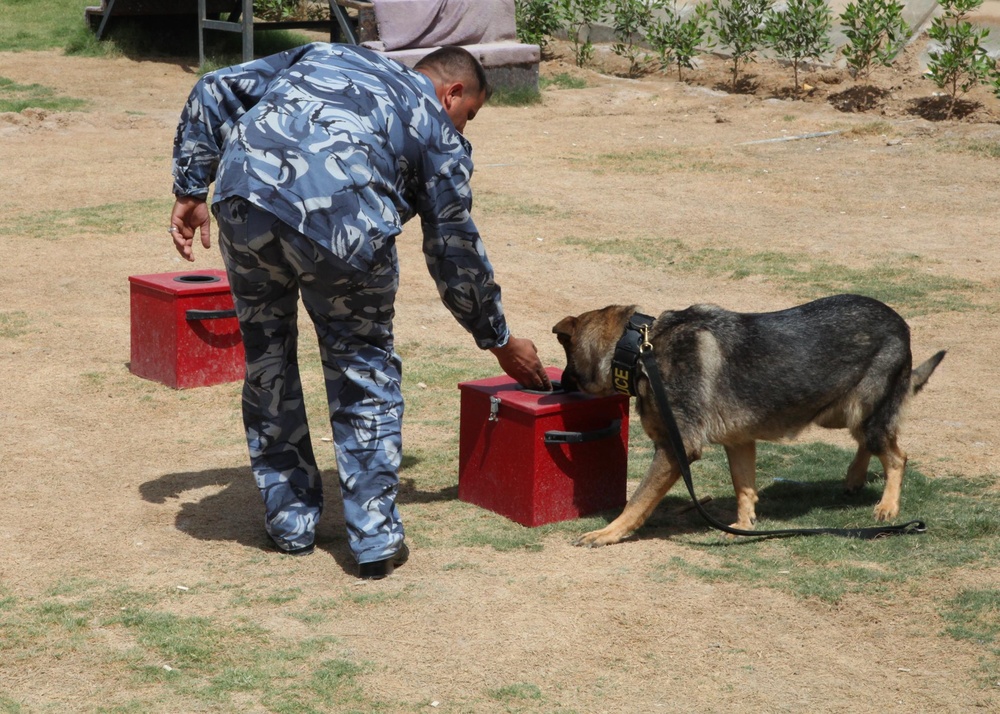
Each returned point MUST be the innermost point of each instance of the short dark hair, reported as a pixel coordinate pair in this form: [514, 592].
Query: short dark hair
[453, 62]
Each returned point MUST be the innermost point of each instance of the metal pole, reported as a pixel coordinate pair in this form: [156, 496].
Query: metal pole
[247, 30]
[201, 33]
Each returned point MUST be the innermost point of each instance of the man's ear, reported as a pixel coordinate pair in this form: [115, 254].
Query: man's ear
[453, 92]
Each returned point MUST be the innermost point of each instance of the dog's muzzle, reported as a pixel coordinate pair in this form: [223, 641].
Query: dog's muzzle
[625, 362]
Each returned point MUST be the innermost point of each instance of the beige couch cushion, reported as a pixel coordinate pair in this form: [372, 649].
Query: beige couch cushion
[406, 24]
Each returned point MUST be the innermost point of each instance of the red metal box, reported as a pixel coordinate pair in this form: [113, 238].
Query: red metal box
[541, 457]
[184, 329]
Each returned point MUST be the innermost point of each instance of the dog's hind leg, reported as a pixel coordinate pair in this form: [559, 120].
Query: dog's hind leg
[662, 474]
[743, 470]
[894, 462]
[857, 472]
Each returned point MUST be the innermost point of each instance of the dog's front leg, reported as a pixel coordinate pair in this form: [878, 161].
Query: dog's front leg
[662, 474]
[743, 470]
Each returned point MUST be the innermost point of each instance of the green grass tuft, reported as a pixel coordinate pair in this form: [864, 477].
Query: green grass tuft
[514, 97]
[516, 691]
[16, 98]
[562, 81]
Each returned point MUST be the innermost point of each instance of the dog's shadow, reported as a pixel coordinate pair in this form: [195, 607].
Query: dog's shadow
[233, 510]
[786, 500]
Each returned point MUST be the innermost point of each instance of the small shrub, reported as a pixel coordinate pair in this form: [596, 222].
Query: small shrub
[875, 31]
[801, 31]
[631, 19]
[961, 62]
[275, 10]
[739, 25]
[581, 15]
[677, 39]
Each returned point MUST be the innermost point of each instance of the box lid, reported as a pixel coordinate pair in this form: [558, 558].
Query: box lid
[196, 282]
[534, 402]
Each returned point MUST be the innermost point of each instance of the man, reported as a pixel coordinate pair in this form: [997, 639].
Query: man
[319, 156]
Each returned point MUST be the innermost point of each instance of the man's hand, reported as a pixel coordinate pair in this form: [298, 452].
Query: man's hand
[519, 359]
[190, 214]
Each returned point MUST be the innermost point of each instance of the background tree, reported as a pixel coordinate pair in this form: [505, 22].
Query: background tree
[961, 62]
[677, 39]
[632, 19]
[739, 25]
[581, 15]
[799, 32]
[875, 31]
[538, 20]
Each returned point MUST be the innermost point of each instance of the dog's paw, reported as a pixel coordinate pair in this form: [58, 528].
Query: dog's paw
[886, 511]
[742, 525]
[595, 539]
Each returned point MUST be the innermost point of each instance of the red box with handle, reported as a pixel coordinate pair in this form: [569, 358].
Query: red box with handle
[541, 457]
[184, 329]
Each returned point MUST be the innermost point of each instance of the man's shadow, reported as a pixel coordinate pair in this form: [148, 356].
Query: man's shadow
[236, 512]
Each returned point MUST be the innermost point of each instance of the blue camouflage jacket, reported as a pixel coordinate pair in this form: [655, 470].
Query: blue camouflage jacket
[345, 146]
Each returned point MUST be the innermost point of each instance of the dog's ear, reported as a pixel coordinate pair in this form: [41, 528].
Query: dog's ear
[565, 328]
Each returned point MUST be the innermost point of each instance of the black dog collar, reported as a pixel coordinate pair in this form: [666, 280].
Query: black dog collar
[626, 357]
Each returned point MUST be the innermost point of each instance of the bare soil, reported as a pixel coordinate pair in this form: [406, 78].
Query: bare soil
[112, 477]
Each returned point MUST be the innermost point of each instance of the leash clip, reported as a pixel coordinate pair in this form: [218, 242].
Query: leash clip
[646, 344]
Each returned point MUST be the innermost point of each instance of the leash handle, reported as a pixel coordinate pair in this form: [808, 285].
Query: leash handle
[680, 453]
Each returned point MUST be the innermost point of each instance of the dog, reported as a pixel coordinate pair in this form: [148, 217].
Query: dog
[840, 362]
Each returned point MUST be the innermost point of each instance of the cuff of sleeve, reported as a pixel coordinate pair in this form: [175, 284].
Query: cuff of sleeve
[500, 341]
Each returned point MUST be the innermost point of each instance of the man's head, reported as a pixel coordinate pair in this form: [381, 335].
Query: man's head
[459, 82]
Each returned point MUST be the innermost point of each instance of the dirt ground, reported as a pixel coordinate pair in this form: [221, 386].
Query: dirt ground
[114, 477]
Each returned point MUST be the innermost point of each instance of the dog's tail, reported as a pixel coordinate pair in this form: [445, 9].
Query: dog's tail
[919, 376]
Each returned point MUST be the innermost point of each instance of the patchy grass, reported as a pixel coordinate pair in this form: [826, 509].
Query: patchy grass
[903, 283]
[973, 615]
[198, 663]
[801, 486]
[30, 25]
[516, 691]
[14, 324]
[879, 127]
[983, 148]
[651, 162]
[109, 218]
[491, 203]
[16, 98]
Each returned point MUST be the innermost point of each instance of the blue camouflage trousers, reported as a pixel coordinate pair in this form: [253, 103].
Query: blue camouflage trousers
[269, 264]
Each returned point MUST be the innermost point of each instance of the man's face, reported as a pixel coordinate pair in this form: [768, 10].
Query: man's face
[461, 104]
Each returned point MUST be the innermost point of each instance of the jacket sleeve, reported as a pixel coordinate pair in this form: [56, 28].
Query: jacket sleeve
[454, 250]
[216, 103]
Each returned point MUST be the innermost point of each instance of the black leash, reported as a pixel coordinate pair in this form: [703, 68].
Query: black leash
[645, 354]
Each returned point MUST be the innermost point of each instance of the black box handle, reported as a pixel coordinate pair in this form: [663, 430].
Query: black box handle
[578, 437]
[193, 315]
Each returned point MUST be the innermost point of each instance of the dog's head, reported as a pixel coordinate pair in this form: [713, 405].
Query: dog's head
[589, 341]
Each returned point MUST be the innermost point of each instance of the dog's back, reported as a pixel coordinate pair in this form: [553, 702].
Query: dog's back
[839, 362]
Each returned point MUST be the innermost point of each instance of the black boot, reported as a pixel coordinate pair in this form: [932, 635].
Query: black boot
[379, 569]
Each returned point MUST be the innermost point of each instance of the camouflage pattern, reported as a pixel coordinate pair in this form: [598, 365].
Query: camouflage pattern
[344, 145]
[269, 264]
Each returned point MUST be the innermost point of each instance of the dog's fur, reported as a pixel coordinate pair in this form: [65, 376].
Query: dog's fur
[841, 362]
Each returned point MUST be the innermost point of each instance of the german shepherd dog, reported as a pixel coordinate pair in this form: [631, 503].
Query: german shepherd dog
[841, 362]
